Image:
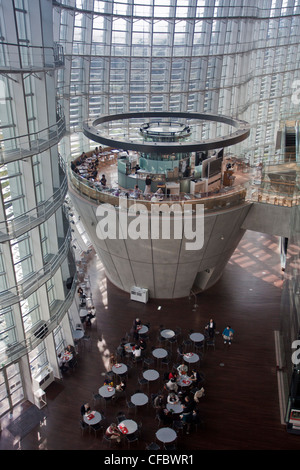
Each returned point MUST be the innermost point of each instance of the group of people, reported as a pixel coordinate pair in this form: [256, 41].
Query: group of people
[189, 412]
[112, 431]
[91, 312]
[136, 349]
[188, 396]
[227, 334]
[137, 193]
[90, 166]
[65, 358]
[137, 324]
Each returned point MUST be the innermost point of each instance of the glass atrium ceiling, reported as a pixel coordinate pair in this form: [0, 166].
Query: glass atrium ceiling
[232, 57]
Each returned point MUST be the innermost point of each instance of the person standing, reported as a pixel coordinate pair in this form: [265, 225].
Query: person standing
[210, 327]
[148, 185]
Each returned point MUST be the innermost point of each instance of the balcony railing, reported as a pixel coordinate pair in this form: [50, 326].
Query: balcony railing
[36, 279]
[16, 58]
[22, 146]
[10, 229]
[212, 201]
[280, 193]
[12, 352]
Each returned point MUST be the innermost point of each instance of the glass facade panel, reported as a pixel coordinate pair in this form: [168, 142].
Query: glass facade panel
[38, 358]
[11, 390]
[30, 309]
[32, 173]
[225, 46]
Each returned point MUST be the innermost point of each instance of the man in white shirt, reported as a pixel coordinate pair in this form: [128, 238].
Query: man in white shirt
[172, 385]
[137, 352]
[182, 369]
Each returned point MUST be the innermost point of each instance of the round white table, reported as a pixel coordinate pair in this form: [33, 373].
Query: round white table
[159, 353]
[128, 348]
[107, 391]
[167, 334]
[184, 381]
[166, 435]
[139, 399]
[66, 357]
[142, 330]
[83, 312]
[174, 407]
[151, 375]
[78, 334]
[119, 368]
[197, 337]
[93, 417]
[191, 358]
[128, 426]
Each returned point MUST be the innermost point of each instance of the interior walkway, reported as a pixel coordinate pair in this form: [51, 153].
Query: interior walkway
[241, 406]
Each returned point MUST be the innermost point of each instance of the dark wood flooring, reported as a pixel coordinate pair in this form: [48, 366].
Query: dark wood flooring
[241, 406]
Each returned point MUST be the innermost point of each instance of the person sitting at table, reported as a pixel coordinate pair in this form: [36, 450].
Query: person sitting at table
[165, 416]
[92, 312]
[195, 377]
[80, 291]
[158, 401]
[182, 369]
[103, 181]
[180, 352]
[108, 382]
[142, 344]
[94, 174]
[137, 352]
[85, 409]
[187, 172]
[112, 360]
[70, 349]
[62, 364]
[121, 350]
[121, 387]
[172, 398]
[113, 433]
[137, 192]
[172, 386]
[173, 375]
[136, 168]
[159, 194]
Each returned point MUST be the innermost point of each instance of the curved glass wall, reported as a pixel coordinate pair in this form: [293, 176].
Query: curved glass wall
[35, 253]
[219, 56]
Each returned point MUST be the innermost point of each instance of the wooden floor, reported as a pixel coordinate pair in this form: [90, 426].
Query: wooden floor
[241, 407]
